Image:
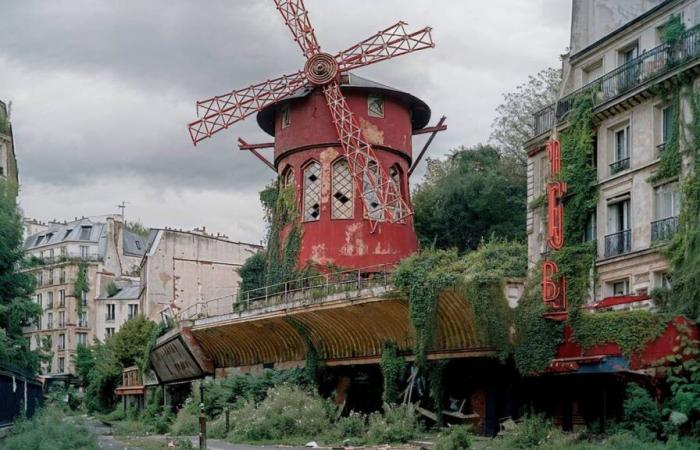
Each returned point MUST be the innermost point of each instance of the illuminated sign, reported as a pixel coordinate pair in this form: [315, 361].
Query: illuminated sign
[553, 287]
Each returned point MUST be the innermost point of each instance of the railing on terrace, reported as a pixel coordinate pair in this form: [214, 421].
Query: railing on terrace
[618, 243]
[664, 229]
[619, 165]
[649, 65]
[308, 289]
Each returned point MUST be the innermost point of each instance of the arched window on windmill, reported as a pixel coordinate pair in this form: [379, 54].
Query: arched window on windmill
[370, 196]
[287, 177]
[396, 179]
[312, 191]
[342, 188]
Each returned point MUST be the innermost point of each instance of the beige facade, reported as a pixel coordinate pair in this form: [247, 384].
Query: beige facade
[105, 251]
[8, 162]
[635, 217]
[184, 269]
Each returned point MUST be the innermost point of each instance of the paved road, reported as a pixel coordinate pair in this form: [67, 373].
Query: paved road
[108, 442]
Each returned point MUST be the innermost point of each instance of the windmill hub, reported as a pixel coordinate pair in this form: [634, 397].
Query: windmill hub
[321, 69]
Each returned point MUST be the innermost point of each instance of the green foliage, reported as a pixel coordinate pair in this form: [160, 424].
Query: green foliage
[129, 342]
[393, 368]
[253, 272]
[671, 160]
[287, 412]
[536, 338]
[80, 286]
[673, 30]
[575, 262]
[144, 362]
[423, 277]
[641, 413]
[577, 156]
[4, 124]
[112, 289]
[458, 437]
[398, 424]
[463, 199]
[137, 227]
[631, 330]
[16, 288]
[49, 430]
[684, 250]
[533, 431]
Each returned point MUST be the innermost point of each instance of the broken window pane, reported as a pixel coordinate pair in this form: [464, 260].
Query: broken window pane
[312, 191]
[375, 105]
[342, 191]
[394, 201]
[286, 116]
[370, 196]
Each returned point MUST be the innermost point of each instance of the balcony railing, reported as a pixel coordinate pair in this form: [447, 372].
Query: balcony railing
[649, 65]
[36, 261]
[313, 289]
[664, 229]
[618, 243]
[619, 166]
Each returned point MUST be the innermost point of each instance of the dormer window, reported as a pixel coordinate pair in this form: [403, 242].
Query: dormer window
[39, 240]
[65, 236]
[375, 105]
[85, 233]
[285, 116]
[138, 244]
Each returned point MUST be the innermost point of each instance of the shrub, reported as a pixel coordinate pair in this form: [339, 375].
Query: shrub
[533, 431]
[456, 438]
[49, 431]
[641, 413]
[398, 424]
[186, 421]
[287, 412]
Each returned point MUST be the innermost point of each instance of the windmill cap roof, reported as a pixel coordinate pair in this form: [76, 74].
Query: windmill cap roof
[420, 111]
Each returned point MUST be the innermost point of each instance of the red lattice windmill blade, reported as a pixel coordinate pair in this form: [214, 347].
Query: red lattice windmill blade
[386, 44]
[297, 19]
[222, 111]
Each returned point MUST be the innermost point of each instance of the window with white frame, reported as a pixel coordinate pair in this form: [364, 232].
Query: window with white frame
[61, 364]
[49, 321]
[82, 320]
[110, 311]
[81, 338]
[61, 341]
[620, 287]
[375, 105]
[61, 319]
[62, 298]
[49, 299]
[621, 144]
[342, 201]
[619, 216]
[133, 311]
[312, 191]
[84, 250]
[667, 201]
[593, 71]
[666, 123]
[590, 232]
[85, 232]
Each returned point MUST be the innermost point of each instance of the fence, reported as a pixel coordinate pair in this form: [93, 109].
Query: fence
[313, 288]
[19, 394]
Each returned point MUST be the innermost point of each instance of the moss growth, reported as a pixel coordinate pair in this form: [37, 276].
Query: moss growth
[393, 368]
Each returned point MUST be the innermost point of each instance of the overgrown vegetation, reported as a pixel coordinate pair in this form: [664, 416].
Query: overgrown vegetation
[49, 429]
[16, 288]
[81, 287]
[462, 200]
[393, 368]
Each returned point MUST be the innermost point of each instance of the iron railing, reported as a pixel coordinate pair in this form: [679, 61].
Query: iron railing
[37, 261]
[649, 65]
[308, 289]
[619, 165]
[618, 243]
[664, 229]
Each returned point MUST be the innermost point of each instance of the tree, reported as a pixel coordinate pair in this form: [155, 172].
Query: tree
[16, 288]
[514, 123]
[128, 344]
[471, 196]
[137, 227]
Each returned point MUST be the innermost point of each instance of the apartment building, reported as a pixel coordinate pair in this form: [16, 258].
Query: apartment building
[182, 270]
[617, 49]
[87, 252]
[8, 162]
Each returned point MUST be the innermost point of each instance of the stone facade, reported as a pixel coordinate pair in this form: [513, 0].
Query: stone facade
[634, 217]
[106, 251]
[182, 269]
[8, 163]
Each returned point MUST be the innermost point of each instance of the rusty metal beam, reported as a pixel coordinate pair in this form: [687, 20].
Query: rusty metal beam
[433, 131]
[243, 145]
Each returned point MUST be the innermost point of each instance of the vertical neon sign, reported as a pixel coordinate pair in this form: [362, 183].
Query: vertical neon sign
[553, 287]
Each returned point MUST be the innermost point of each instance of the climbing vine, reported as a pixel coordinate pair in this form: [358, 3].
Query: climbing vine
[393, 368]
[80, 286]
[684, 249]
[631, 330]
[314, 363]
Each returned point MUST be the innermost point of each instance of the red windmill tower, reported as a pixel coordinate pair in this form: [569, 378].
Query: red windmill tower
[343, 141]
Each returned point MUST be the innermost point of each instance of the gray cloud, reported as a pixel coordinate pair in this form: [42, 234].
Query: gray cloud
[102, 90]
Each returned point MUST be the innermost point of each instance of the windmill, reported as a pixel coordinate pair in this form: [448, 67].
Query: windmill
[381, 199]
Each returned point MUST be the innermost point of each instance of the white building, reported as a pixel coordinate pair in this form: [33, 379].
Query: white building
[8, 162]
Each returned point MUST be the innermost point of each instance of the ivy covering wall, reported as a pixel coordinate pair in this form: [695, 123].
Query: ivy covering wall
[80, 286]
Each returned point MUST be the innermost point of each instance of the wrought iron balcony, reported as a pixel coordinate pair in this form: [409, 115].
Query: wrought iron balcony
[664, 229]
[660, 148]
[646, 67]
[619, 166]
[618, 243]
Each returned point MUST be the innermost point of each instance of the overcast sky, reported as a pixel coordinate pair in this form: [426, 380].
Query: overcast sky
[102, 90]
